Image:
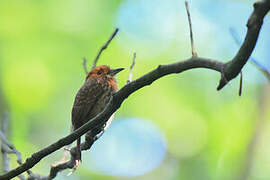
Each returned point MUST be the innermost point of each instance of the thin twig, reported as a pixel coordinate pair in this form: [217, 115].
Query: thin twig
[240, 83]
[14, 150]
[4, 149]
[8, 148]
[194, 53]
[254, 24]
[11, 146]
[19, 158]
[131, 68]
[5, 145]
[253, 61]
[104, 47]
[85, 65]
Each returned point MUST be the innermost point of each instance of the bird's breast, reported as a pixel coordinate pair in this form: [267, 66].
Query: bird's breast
[113, 84]
[102, 101]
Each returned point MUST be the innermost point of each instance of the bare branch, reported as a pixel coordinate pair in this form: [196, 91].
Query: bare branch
[4, 149]
[84, 146]
[234, 67]
[89, 141]
[5, 141]
[85, 65]
[114, 103]
[9, 145]
[194, 53]
[13, 150]
[240, 84]
[131, 69]
[228, 70]
[5, 145]
[104, 47]
[254, 61]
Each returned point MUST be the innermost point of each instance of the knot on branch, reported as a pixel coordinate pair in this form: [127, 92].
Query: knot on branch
[35, 157]
[159, 67]
[254, 22]
[224, 78]
[256, 4]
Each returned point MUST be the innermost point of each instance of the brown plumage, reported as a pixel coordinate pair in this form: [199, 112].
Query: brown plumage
[92, 98]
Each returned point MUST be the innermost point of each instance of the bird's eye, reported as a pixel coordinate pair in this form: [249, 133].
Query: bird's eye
[100, 72]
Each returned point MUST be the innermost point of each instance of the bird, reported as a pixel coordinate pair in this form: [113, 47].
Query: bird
[100, 84]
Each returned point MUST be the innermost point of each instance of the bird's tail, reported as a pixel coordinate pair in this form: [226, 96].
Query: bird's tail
[79, 154]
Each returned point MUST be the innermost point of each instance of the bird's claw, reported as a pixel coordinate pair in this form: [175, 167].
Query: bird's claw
[77, 164]
[67, 149]
[71, 172]
[98, 135]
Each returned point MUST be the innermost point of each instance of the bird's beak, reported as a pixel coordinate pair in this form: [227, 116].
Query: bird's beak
[113, 72]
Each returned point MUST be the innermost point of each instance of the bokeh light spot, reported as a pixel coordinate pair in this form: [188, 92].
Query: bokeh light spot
[188, 136]
[130, 147]
[148, 26]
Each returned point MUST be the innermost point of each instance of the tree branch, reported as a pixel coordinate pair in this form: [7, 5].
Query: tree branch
[85, 65]
[89, 141]
[194, 53]
[131, 69]
[229, 70]
[8, 148]
[9, 145]
[99, 52]
[254, 61]
[4, 148]
[104, 47]
[234, 67]
[114, 103]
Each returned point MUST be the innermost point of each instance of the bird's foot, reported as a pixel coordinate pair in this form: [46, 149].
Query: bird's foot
[67, 149]
[102, 130]
[76, 165]
[64, 157]
[98, 135]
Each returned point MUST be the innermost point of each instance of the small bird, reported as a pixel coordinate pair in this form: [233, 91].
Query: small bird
[91, 99]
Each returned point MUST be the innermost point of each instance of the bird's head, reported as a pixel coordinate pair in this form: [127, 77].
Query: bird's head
[104, 74]
[103, 71]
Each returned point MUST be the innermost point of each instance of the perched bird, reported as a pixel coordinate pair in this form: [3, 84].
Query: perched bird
[92, 98]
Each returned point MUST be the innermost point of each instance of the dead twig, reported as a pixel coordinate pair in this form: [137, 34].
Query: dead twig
[84, 63]
[104, 47]
[194, 53]
[131, 68]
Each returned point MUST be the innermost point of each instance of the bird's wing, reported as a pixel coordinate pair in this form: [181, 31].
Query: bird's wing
[85, 100]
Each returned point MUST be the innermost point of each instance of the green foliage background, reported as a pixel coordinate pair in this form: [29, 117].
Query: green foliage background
[41, 48]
